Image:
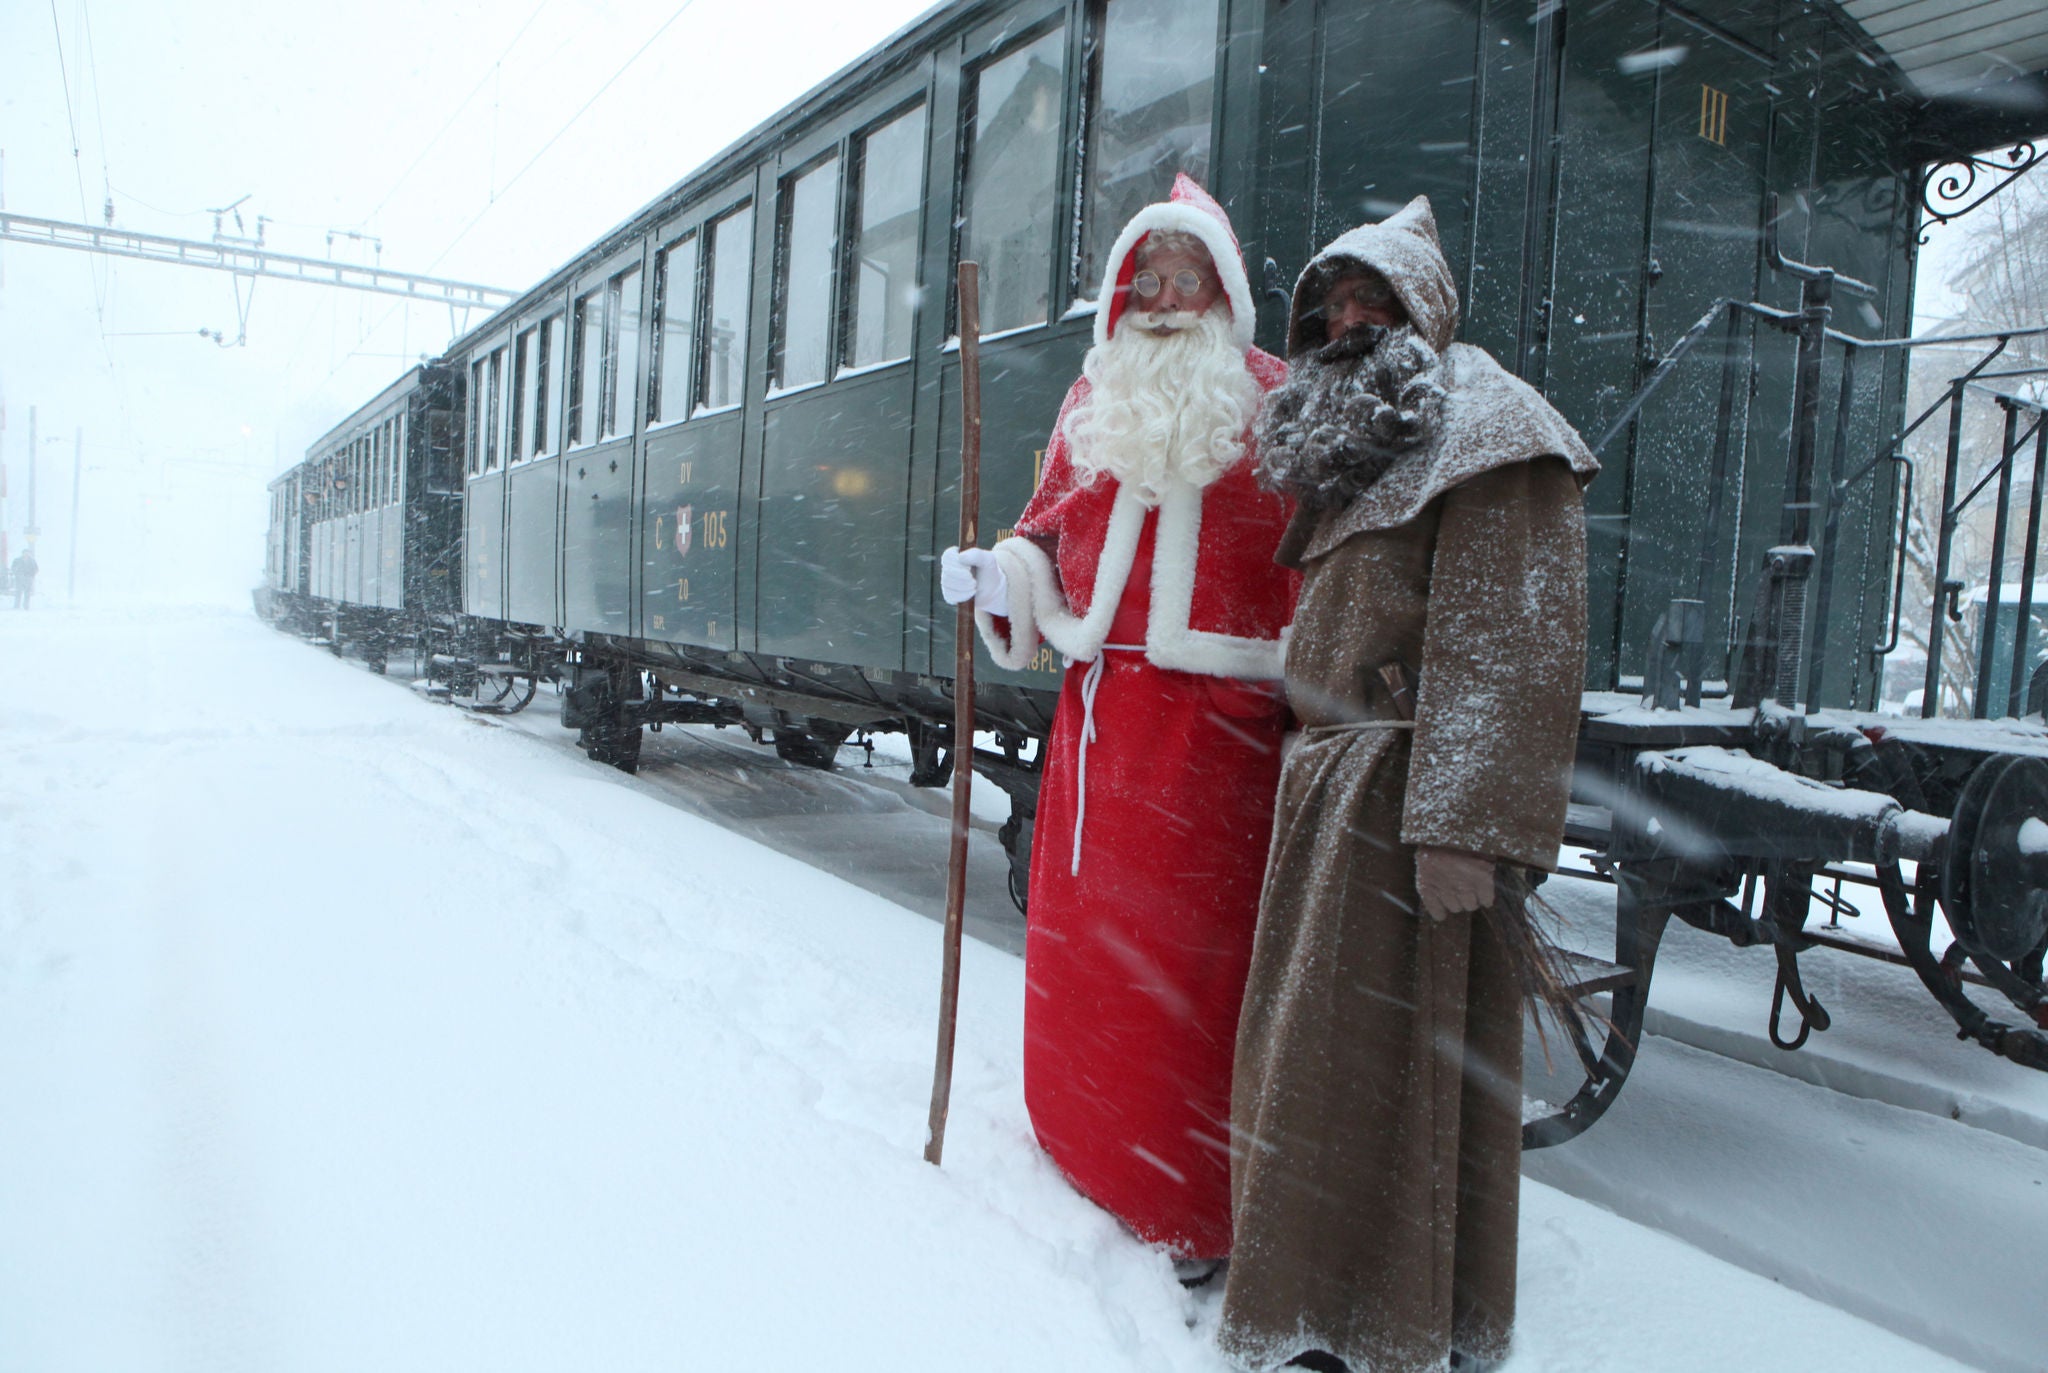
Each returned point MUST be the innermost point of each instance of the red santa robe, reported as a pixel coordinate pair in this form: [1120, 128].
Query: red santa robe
[1156, 806]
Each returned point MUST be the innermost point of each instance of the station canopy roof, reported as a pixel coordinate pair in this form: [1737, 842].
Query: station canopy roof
[1982, 65]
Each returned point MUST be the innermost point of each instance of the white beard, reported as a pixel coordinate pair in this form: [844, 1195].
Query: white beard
[1160, 407]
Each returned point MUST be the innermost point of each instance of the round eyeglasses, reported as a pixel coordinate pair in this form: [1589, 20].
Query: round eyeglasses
[1374, 292]
[1148, 284]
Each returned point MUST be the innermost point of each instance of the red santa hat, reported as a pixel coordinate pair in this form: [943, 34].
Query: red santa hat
[1188, 210]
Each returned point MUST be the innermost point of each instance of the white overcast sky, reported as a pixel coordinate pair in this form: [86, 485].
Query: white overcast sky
[419, 123]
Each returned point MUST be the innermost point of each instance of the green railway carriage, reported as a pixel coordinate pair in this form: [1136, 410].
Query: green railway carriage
[706, 467]
[703, 472]
[364, 531]
[725, 437]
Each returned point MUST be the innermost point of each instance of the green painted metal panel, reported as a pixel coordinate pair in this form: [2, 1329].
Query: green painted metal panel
[834, 503]
[533, 532]
[1711, 143]
[1397, 87]
[1495, 276]
[1590, 325]
[597, 565]
[689, 532]
[1023, 383]
[483, 543]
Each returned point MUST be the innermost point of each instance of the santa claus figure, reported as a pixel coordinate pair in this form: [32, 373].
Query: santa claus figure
[1146, 558]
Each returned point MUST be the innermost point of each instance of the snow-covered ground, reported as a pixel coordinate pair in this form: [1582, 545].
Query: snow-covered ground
[342, 1030]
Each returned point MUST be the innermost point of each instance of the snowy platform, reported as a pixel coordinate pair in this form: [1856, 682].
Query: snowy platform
[342, 1030]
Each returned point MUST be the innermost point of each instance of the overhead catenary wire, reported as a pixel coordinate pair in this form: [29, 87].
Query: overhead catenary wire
[528, 166]
[78, 174]
[567, 124]
[92, 61]
[489, 73]
[70, 116]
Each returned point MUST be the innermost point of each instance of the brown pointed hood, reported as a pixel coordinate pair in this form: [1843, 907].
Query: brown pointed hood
[1404, 249]
[1490, 417]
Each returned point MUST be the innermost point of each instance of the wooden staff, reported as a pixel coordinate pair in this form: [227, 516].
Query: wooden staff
[963, 706]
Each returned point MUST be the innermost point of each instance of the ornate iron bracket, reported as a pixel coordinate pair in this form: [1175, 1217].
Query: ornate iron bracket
[1949, 189]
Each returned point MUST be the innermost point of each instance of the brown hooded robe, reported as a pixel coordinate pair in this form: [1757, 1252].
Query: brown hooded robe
[1376, 1107]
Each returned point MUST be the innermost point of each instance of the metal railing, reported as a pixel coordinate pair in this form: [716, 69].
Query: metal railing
[1782, 655]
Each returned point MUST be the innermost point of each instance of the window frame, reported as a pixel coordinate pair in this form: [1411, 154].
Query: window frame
[525, 351]
[662, 292]
[551, 395]
[1005, 43]
[473, 408]
[1089, 52]
[615, 308]
[778, 306]
[577, 406]
[853, 182]
[748, 204]
[494, 442]
[602, 283]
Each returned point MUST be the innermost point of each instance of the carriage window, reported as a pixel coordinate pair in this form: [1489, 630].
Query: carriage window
[1012, 202]
[493, 409]
[675, 325]
[883, 285]
[724, 337]
[586, 362]
[1151, 79]
[476, 410]
[525, 376]
[622, 354]
[807, 240]
[547, 403]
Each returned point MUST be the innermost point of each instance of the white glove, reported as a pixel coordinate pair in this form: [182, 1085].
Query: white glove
[976, 576]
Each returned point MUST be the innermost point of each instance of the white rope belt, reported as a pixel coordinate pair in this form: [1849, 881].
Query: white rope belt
[1091, 682]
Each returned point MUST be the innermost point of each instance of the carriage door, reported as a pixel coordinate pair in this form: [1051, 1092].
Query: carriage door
[1707, 211]
[483, 533]
[1366, 105]
[603, 416]
[1654, 213]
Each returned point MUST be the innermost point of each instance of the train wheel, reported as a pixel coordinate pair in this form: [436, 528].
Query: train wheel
[1606, 1043]
[615, 744]
[810, 748]
[1911, 910]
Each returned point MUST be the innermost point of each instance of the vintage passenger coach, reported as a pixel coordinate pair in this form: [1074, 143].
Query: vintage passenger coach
[706, 467]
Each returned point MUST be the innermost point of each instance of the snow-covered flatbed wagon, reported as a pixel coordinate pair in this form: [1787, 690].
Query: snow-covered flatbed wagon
[706, 467]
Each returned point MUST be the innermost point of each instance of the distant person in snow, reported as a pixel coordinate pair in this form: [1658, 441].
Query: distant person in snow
[22, 572]
[1146, 558]
[1435, 665]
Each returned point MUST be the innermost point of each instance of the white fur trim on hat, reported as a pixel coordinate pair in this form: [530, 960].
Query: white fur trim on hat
[1223, 250]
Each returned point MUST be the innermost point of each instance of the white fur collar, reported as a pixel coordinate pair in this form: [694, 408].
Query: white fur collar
[1037, 606]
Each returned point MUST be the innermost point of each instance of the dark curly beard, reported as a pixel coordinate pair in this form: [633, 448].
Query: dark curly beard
[1347, 412]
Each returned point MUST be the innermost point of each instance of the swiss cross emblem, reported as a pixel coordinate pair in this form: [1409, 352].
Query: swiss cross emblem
[684, 518]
